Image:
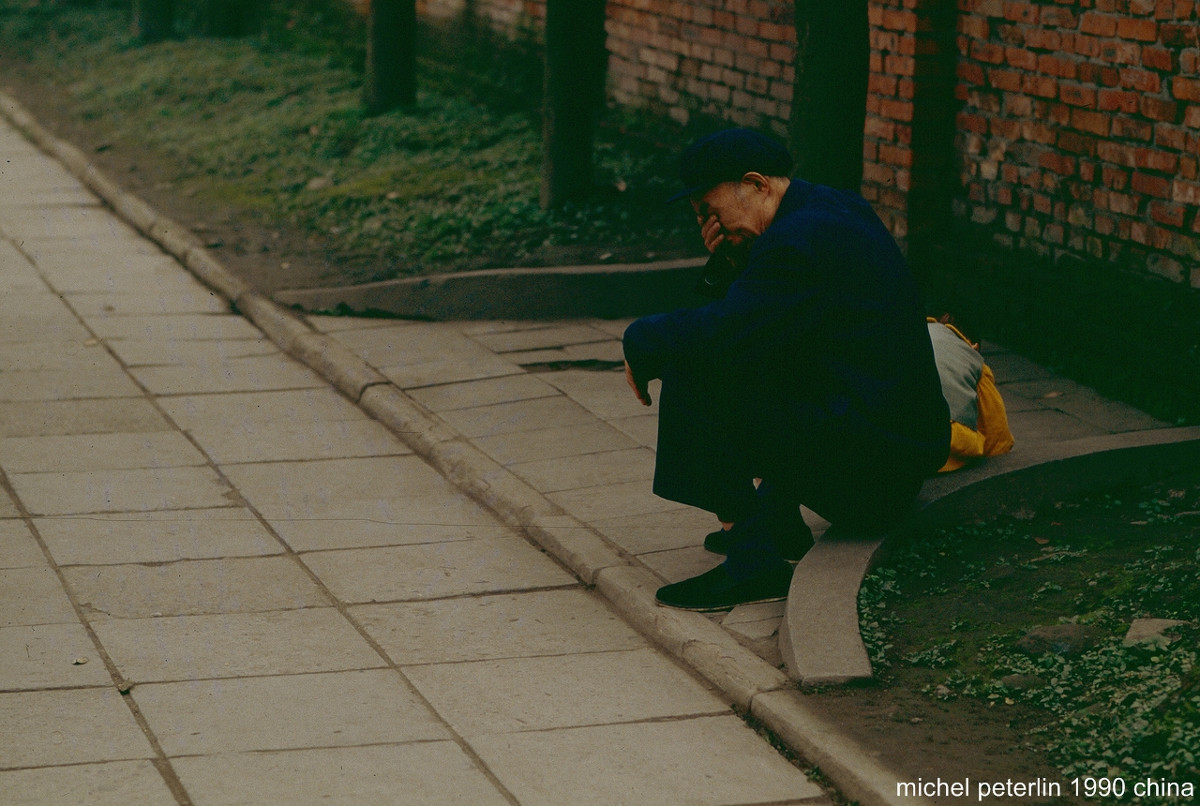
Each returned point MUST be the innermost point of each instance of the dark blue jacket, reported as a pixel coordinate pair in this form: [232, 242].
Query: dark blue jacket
[819, 346]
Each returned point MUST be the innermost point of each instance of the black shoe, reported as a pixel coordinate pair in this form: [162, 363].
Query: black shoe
[714, 590]
[793, 540]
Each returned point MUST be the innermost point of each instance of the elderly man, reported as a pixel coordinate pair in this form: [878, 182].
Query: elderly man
[811, 375]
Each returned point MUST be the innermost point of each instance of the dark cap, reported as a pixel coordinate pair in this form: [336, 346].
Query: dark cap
[727, 156]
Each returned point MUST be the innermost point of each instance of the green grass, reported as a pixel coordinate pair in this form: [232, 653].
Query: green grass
[945, 614]
[274, 128]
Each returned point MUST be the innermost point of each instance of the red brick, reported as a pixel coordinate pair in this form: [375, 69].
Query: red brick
[1154, 160]
[1141, 80]
[976, 27]
[970, 72]
[1092, 73]
[1059, 18]
[1158, 109]
[896, 110]
[1076, 95]
[897, 20]
[1187, 89]
[1093, 22]
[1116, 153]
[1158, 59]
[1021, 12]
[972, 123]
[1059, 163]
[987, 52]
[1186, 193]
[1008, 80]
[1116, 100]
[1191, 117]
[1170, 215]
[1179, 35]
[1082, 44]
[1131, 128]
[1170, 136]
[1091, 122]
[1120, 52]
[1055, 66]
[1139, 28]
[1076, 143]
[1021, 58]
[1041, 86]
[1006, 127]
[1150, 185]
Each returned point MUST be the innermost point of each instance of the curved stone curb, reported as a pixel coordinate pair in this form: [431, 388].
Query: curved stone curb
[819, 637]
[746, 679]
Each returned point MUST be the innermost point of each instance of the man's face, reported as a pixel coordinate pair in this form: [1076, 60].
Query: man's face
[730, 206]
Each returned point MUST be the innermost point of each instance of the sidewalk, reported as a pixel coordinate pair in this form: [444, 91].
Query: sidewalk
[223, 583]
[519, 672]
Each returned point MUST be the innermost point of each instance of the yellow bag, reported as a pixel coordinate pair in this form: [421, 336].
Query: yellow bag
[978, 420]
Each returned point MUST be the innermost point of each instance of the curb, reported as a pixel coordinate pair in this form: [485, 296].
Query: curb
[752, 684]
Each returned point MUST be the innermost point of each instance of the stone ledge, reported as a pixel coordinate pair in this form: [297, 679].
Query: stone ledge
[819, 637]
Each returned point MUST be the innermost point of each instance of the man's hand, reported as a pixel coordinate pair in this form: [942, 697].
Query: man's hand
[710, 232]
[643, 394]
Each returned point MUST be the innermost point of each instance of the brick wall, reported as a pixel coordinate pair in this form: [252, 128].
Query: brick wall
[1056, 126]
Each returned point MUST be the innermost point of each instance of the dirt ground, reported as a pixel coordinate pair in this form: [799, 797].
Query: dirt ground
[909, 731]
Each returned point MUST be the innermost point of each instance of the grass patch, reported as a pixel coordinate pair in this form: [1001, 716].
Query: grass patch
[956, 614]
[274, 128]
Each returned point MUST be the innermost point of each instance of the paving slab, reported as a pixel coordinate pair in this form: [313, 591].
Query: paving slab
[418, 774]
[68, 726]
[193, 587]
[539, 693]
[45, 656]
[156, 537]
[435, 570]
[113, 415]
[92, 452]
[18, 548]
[645, 763]
[235, 645]
[33, 596]
[211, 717]
[67, 493]
[249, 374]
[117, 783]
[544, 622]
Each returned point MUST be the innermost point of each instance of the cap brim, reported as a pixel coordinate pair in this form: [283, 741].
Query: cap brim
[683, 194]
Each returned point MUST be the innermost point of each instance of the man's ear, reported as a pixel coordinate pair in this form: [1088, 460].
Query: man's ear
[756, 180]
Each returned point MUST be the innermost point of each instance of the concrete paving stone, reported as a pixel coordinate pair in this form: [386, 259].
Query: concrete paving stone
[18, 548]
[677, 564]
[1048, 426]
[613, 327]
[68, 726]
[54, 354]
[279, 642]
[602, 502]
[1015, 403]
[434, 373]
[469, 394]
[1087, 405]
[209, 717]
[33, 596]
[115, 783]
[253, 374]
[521, 415]
[539, 693]
[538, 337]
[418, 774]
[156, 537]
[43, 656]
[550, 443]
[281, 426]
[180, 327]
[60, 326]
[111, 415]
[435, 570]
[8, 509]
[89, 452]
[755, 621]
[374, 488]
[1009, 367]
[324, 535]
[98, 306]
[89, 223]
[193, 587]
[642, 428]
[123, 273]
[589, 470]
[605, 394]
[682, 527]
[121, 490]
[713, 760]
[411, 343]
[610, 351]
[30, 386]
[339, 324]
[551, 622]
[211, 352]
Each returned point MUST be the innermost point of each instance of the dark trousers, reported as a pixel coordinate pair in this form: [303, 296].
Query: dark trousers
[709, 455]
